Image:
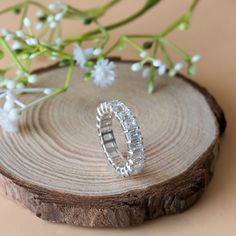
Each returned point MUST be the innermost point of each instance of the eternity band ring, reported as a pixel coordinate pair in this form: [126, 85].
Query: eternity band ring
[134, 162]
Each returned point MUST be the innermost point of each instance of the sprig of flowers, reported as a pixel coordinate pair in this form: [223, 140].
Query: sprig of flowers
[45, 39]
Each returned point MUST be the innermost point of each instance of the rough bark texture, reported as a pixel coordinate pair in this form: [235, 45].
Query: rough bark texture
[127, 209]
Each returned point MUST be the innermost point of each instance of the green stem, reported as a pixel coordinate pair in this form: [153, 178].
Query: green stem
[26, 6]
[104, 32]
[132, 43]
[181, 19]
[19, 5]
[12, 54]
[155, 49]
[56, 92]
[69, 75]
[111, 4]
[145, 8]
[10, 8]
[166, 56]
[39, 5]
[193, 5]
[126, 39]
[175, 47]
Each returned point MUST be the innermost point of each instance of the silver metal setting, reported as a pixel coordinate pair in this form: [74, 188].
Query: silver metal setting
[134, 162]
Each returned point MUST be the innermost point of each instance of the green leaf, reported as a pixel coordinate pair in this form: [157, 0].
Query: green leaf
[64, 62]
[87, 76]
[17, 10]
[89, 64]
[87, 21]
[147, 45]
[43, 18]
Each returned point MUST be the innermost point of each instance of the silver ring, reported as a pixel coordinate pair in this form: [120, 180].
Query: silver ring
[134, 162]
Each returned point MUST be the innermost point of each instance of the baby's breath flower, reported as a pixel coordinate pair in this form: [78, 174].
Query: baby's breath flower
[136, 66]
[16, 45]
[51, 6]
[14, 114]
[9, 120]
[81, 56]
[145, 72]
[27, 22]
[143, 54]
[8, 105]
[178, 66]
[20, 85]
[195, 58]
[10, 84]
[59, 16]
[162, 69]
[8, 37]
[47, 91]
[156, 63]
[97, 51]
[20, 33]
[32, 41]
[39, 25]
[32, 79]
[3, 32]
[103, 73]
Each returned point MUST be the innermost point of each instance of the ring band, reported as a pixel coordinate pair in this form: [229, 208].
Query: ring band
[134, 162]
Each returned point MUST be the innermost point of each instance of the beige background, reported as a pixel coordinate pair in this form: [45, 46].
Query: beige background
[213, 34]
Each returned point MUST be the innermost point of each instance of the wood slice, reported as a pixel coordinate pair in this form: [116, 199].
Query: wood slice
[55, 166]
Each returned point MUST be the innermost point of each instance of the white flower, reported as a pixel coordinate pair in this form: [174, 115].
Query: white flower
[57, 5]
[81, 56]
[10, 84]
[8, 37]
[51, 6]
[14, 114]
[16, 45]
[136, 66]
[59, 16]
[20, 85]
[156, 63]
[97, 51]
[9, 120]
[33, 55]
[103, 73]
[20, 33]
[40, 13]
[162, 70]
[39, 25]
[47, 91]
[58, 42]
[195, 58]
[145, 72]
[32, 41]
[143, 54]
[27, 22]
[9, 114]
[53, 24]
[10, 101]
[3, 32]
[178, 66]
[50, 18]
[32, 79]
